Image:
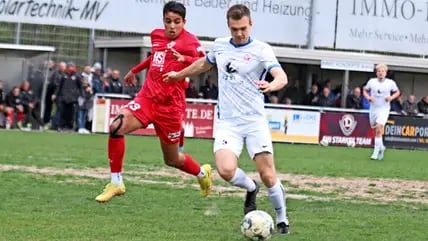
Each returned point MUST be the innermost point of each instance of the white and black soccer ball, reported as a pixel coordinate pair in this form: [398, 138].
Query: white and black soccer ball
[257, 225]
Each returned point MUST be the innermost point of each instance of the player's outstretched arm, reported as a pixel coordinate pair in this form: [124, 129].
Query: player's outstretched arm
[130, 76]
[199, 66]
[279, 81]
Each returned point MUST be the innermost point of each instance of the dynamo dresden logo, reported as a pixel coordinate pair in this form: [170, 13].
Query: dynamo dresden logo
[347, 124]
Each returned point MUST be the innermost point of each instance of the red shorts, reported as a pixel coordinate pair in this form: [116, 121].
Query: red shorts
[166, 120]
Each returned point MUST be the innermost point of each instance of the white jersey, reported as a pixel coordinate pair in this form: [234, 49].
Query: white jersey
[239, 67]
[379, 90]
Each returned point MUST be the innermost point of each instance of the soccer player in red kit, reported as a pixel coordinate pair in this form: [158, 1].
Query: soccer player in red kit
[159, 103]
[130, 78]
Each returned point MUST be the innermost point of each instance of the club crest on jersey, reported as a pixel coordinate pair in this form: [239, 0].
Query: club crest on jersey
[170, 44]
[347, 124]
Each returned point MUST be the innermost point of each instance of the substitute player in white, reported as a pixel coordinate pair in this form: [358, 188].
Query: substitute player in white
[242, 64]
[378, 92]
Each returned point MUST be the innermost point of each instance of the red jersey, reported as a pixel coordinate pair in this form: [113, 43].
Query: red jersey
[163, 61]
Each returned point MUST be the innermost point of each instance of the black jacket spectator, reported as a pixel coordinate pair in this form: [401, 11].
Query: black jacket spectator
[410, 107]
[354, 102]
[69, 88]
[67, 94]
[210, 90]
[13, 98]
[396, 105]
[423, 105]
[36, 80]
[115, 87]
[311, 97]
[191, 91]
[27, 97]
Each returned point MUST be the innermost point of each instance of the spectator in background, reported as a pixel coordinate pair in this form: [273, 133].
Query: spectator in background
[209, 90]
[409, 106]
[31, 106]
[105, 79]
[288, 101]
[108, 72]
[115, 85]
[36, 81]
[87, 73]
[97, 83]
[2, 106]
[396, 104]
[67, 94]
[354, 100]
[325, 99]
[273, 99]
[14, 109]
[423, 105]
[191, 91]
[84, 105]
[296, 93]
[329, 84]
[311, 98]
[52, 86]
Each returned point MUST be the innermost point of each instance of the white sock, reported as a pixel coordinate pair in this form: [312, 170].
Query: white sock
[277, 197]
[201, 173]
[377, 144]
[240, 179]
[116, 178]
[381, 146]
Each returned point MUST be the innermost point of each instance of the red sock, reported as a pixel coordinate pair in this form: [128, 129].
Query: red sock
[116, 151]
[20, 116]
[181, 143]
[10, 117]
[190, 166]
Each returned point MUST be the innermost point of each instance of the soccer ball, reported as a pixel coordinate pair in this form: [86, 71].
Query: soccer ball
[257, 225]
[324, 142]
[351, 143]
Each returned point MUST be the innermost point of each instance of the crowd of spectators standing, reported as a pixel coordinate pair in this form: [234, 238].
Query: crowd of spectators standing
[69, 97]
[326, 95]
[70, 92]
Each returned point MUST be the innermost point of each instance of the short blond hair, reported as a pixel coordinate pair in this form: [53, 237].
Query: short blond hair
[381, 66]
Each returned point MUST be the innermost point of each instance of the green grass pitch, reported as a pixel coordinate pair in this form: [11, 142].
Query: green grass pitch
[48, 182]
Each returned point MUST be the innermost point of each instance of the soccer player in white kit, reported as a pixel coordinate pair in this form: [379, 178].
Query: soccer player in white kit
[378, 92]
[242, 64]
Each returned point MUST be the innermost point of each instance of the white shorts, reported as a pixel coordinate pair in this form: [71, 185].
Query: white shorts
[230, 134]
[378, 117]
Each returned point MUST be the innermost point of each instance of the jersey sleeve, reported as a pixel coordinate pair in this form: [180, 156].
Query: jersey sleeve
[211, 54]
[268, 58]
[142, 65]
[200, 52]
[394, 87]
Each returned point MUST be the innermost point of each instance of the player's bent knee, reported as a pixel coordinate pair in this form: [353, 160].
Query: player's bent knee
[226, 173]
[115, 127]
[268, 178]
